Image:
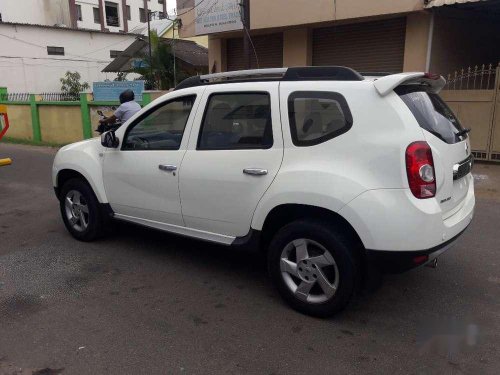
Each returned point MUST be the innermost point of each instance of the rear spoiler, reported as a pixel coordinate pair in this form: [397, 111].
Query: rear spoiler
[388, 83]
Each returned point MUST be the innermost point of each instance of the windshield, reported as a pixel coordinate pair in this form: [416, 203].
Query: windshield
[432, 113]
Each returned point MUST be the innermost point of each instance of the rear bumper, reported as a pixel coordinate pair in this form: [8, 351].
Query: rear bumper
[394, 220]
[401, 261]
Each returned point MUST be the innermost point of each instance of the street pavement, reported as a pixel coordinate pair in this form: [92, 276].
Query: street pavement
[146, 302]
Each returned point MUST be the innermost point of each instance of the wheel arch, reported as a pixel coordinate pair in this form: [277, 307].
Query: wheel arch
[283, 214]
[67, 174]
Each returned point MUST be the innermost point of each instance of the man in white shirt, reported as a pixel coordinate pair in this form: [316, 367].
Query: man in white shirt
[126, 110]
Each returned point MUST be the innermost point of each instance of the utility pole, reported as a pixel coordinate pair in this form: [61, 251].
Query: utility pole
[173, 50]
[148, 13]
[245, 20]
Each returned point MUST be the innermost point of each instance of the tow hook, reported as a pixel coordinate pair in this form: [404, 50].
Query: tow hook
[433, 263]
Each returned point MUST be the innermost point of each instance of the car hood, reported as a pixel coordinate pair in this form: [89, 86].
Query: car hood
[92, 142]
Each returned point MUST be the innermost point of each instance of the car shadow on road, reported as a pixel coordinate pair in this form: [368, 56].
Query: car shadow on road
[156, 242]
[245, 265]
[246, 271]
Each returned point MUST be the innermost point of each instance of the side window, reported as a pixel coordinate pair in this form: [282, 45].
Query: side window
[236, 121]
[317, 116]
[161, 129]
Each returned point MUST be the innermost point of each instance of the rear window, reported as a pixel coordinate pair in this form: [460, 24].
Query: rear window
[317, 116]
[432, 113]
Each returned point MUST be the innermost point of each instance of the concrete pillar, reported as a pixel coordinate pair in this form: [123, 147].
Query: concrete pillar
[216, 55]
[72, 13]
[85, 112]
[165, 8]
[101, 14]
[35, 119]
[417, 42]
[125, 15]
[297, 47]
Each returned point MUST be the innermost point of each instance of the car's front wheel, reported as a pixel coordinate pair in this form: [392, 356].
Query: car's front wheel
[313, 267]
[80, 210]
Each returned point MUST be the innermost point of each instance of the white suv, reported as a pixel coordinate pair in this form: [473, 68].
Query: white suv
[327, 171]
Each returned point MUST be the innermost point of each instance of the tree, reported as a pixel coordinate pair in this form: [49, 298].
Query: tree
[121, 76]
[71, 84]
[162, 66]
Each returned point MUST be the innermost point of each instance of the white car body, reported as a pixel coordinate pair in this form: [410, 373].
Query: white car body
[360, 175]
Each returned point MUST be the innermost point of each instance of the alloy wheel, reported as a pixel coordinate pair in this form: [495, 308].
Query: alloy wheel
[77, 210]
[309, 270]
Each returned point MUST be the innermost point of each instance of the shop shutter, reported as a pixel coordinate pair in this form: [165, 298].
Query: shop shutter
[376, 46]
[269, 51]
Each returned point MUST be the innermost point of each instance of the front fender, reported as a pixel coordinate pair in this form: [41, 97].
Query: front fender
[85, 158]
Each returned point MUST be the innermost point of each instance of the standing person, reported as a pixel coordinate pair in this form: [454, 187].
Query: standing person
[126, 110]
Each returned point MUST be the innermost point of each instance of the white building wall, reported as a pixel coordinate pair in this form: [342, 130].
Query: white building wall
[153, 5]
[41, 12]
[25, 65]
[88, 14]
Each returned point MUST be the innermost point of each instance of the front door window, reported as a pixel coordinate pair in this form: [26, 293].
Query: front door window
[162, 129]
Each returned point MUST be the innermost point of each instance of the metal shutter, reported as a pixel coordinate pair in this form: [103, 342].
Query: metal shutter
[269, 51]
[376, 46]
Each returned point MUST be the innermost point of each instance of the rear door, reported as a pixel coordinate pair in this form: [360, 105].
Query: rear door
[235, 150]
[449, 143]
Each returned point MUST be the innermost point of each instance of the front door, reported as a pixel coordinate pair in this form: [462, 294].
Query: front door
[234, 153]
[141, 177]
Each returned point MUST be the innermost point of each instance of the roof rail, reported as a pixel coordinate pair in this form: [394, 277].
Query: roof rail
[273, 72]
[375, 74]
[310, 73]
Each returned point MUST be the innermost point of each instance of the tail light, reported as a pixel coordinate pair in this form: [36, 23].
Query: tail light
[420, 170]
[431, 76]
[420, 259]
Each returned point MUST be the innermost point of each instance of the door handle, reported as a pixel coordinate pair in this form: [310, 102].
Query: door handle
[167, 167]
[255, 171]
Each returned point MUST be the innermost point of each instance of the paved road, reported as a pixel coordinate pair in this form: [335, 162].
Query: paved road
[144, 302]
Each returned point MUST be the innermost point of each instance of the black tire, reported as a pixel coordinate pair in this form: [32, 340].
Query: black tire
[341, 249]
[95, 218]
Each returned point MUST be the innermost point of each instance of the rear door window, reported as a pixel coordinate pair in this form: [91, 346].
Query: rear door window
[239, 120]
[432, 113]
[317, 116]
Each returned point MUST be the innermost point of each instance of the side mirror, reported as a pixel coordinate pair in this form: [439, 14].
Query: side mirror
[109, 139]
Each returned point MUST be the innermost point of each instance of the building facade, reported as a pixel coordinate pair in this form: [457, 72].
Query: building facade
[35, 57]
[370, 36]
[103, 15]
[115, 15]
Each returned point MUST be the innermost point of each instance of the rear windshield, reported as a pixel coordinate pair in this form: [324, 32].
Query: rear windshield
[432, 113]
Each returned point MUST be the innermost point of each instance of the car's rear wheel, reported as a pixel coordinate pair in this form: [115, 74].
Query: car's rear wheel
[80, 210]
[313, 267]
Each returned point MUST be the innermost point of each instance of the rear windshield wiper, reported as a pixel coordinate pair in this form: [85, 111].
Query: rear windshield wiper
[463, 132]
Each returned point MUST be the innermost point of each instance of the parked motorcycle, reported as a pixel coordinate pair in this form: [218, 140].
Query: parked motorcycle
[102, 128]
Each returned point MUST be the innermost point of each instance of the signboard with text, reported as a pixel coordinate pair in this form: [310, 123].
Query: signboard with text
[104, 91]
[215, 16]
